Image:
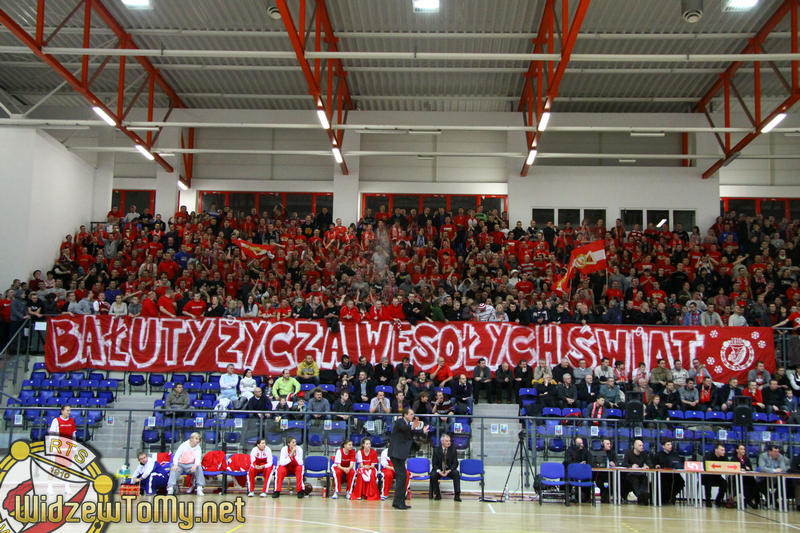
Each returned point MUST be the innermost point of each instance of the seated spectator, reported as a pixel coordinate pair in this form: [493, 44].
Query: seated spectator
[567, 392]
[708, 395]
[343, 405]
[482, 380]
[178, 401]
[318, 404]
[587, 391]
[380, 404]
[655, 410]
[756, 397]
[726, 394]
[637, 458]
[384, 372]
[542, 372]
[690, 397]
[715, 480]
[641, 372]
[228, 384]
[710, 317]
[442, 375]
[286, 386]
[759, 374]
[523, 377]
[260, 403]
[405, 369]
[671, 484]
[346, 368]
[621, 375]
[420, 385]
[443, 405]
[503, 383]
[581, 372]
[561, 369]
[402, 386]
[596, 410]
[399, 402]
[247, 385]
[308, 371]
[660, 376]
[679, 374]
[423, 405]
[462, 394]
[671, 398]
[364, 366]
[699, 372]
[614, 396]
[300, 408]
[644, 388]
[774, 398]
[604, 371]
[364, 388]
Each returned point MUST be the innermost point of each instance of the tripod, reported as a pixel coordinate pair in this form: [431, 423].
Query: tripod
[525, 468]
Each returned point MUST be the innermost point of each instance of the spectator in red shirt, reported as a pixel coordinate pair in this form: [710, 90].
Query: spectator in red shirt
[195, 307]
[442, 374]
[166, 304]
[349, 312]
[149, 307]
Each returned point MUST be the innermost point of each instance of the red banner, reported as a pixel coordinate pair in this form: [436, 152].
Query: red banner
[209, 345]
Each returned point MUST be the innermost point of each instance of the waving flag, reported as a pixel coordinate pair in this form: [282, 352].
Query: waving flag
[254, 251]
[586, 259]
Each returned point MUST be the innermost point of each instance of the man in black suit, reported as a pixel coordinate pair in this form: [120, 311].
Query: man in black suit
[444, 464]
[399, 448]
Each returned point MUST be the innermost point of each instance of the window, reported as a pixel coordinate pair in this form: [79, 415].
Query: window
[542, 216]
[683, 217]
[746, 206]
[794, 209]
[464, 202]
[773, 208]
[125, 198]
[569, 215]
[631, 217]
[208, 199]
[490, 203]
[298, 203]
[323, 200]
[434, 202]
[405, 201]
[656, 216]
[241, 203]
[267, 202]
[374, 201]
[592, 216]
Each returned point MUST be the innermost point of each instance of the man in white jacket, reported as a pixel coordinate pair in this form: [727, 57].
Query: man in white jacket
[187, 460]
[290, 462]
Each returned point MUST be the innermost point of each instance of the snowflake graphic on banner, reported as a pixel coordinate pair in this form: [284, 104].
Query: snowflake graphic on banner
[718, 369]
[754, 335]
[714, 334]
[762, 344]
[710, 361]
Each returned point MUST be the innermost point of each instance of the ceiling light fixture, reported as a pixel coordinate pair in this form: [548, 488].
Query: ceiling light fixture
[145, 152]
[663, 221]
[337, 155]
[425, 6]
[543, 121]
[424, 132]
[531, 157]
[137, 4]
[627, 161]
[774, 122]
[182, 186]
[323, 119]
[100, 112]
[739, 5]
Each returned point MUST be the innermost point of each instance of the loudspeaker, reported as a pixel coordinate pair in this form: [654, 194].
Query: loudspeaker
[634, 411]
[742, 415]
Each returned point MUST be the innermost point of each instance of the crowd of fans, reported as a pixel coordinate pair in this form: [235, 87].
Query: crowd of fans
[435, 266]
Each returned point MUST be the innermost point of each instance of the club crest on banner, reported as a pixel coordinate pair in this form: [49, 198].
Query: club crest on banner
[737, 354]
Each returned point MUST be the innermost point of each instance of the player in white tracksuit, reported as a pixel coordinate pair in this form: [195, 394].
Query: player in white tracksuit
[151, 476]
[290, 462]
[260, 464]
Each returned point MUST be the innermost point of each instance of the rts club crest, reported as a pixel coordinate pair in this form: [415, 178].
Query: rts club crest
[737, 354]
[41, 482]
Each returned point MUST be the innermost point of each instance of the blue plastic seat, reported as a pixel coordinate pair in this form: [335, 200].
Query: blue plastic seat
[471, 470]
[580, 475]
[553, 475]
[674, 414]
[385, 389]
[136, 380]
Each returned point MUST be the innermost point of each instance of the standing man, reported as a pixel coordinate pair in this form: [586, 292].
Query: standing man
[444, 464]
[399, 448]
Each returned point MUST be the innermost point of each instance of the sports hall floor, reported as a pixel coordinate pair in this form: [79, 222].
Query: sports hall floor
[317, 514]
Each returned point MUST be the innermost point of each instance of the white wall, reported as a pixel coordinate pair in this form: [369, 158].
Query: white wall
[613, 189]
[47, 192]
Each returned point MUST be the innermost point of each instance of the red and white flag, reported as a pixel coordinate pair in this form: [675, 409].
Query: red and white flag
[589, 258]
[254, 251]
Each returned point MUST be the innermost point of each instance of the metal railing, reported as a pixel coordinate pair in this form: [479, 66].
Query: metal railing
[17, 353]
[544, 437]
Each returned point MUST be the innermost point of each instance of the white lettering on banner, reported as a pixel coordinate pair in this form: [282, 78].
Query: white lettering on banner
[153, 344]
